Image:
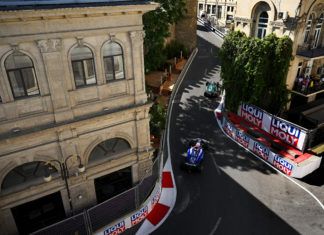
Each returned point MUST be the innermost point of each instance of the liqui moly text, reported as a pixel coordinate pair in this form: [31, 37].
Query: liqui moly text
[228, 128]
[252, 114]
[282, 165]
[155, 199]
[242, 138]
[261, 150]
[116, 229]
[139, 216]
[284, 131]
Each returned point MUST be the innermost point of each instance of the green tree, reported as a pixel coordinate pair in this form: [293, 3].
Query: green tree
[157, 119]
[254, 71]
[156, 26]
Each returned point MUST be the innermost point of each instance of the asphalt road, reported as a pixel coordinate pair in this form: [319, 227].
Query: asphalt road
[236, 193]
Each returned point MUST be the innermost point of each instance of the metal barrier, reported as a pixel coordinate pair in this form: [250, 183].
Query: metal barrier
[108, 211]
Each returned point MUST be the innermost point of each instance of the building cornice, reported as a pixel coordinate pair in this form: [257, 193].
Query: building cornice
[76, 12]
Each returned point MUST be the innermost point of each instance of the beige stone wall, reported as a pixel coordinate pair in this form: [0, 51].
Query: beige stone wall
[64, 120]
[185, 29]
[223, 8]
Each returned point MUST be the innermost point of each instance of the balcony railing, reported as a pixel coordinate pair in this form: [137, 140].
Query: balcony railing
[308, 52]
[310, 87]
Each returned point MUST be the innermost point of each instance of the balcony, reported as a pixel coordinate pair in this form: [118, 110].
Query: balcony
[307, 52]
[308, 86]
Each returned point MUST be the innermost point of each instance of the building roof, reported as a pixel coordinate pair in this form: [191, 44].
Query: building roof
[51, 4]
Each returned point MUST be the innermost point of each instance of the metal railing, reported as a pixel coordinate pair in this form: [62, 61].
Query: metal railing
[108, 211]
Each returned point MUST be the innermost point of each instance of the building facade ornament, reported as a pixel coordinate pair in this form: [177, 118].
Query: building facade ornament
[137, 36]
[49, 45]
[15, 48]
[112, 37]
[243, 19]
[80, 41]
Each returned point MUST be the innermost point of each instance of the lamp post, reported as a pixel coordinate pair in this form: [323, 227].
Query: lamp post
[64, 174]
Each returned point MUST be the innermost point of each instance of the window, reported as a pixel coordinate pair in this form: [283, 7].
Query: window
[108, 149]
[83, 66]
[308, 27]
[208, 9]
[262, 25]
[113, 61]
[25, 175]
[201, 6]
[219, 12]
[213, 9]
[318, 30]
[21, 74]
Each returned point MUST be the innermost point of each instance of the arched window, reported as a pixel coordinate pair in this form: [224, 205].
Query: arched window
[113, 61]
[108, 149]
[262, 25]
[21, 74]
[83, 66]
[26, 175]
[308, 28]
[318, 28]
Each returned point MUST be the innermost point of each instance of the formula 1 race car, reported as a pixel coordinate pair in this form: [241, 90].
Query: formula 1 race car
[212, 89]
[195, 155]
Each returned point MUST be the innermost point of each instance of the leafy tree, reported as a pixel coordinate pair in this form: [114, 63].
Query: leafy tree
[157, 120]
[156, 26]
[254, 71]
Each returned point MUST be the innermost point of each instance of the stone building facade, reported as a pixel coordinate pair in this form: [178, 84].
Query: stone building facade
[302, 21]
[185, 29]
[220, 12]
[73, 106]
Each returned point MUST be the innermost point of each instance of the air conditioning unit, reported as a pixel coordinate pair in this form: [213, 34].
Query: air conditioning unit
[283, 15]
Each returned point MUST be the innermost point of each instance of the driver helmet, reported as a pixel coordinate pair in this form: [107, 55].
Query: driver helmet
[197, 146]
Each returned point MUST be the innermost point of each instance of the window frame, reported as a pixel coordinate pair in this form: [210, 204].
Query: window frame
[83, 63]
[21, 78]
[112, 57]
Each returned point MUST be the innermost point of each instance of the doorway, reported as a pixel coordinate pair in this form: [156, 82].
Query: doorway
[40, 213]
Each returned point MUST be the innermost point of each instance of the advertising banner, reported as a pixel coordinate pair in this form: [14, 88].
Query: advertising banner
[251, 114]
[116, 229]
[282, 164]
[229, 128]
[242, 138]
[287, 132]
[261, 150]
[139, 216]
[280, 128]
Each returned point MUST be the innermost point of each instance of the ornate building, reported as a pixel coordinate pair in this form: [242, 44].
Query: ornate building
[220, 12]
[302, 21]
[74, 123]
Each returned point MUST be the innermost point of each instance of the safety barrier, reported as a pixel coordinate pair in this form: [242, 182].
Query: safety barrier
[105, 213]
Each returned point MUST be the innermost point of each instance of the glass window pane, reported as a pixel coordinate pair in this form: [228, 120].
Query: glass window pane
[81, 53]
[16, 84]
[78, 73]
[18, 60]
[118, 66]
[108, 65]
[112, 48]
[30, 81]
[90, 72]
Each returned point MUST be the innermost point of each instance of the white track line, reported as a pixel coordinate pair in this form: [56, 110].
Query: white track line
[289, 178]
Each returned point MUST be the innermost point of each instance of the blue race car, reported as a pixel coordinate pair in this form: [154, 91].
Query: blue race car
[195, 154]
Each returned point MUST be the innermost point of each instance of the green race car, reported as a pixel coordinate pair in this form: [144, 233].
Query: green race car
[212, 89]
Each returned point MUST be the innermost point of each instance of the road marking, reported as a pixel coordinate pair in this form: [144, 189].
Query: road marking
[287, 177]
[216, 226]
[217, 167]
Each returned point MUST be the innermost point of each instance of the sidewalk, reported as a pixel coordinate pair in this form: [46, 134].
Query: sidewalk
[161, 83]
